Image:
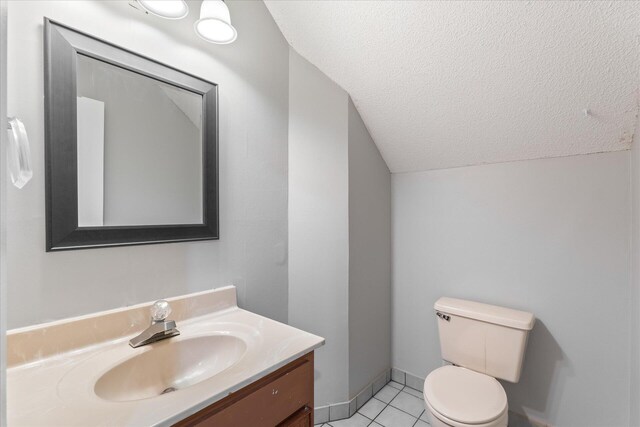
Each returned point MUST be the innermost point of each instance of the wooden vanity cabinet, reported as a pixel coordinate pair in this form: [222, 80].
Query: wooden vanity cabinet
[283, 398]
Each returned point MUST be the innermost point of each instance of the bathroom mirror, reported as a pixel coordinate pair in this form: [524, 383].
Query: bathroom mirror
[131, 147]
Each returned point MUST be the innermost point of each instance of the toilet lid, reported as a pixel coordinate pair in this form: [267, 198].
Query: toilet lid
[465, 396]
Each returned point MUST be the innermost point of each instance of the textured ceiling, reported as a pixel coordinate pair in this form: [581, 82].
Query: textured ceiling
[446, 84]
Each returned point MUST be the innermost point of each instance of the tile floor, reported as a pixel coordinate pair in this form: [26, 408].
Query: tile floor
[394, 405]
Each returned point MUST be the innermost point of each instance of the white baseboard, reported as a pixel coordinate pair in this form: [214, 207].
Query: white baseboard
[342, 410]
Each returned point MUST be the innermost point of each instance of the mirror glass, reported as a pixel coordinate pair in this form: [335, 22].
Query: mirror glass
[139, 149]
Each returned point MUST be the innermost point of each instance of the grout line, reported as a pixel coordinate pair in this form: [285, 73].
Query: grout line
[414, 424]
[387, 405]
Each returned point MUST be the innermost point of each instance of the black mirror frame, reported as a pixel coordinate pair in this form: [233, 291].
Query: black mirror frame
[62, 44]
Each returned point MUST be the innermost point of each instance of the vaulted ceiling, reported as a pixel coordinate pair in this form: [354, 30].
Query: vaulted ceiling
[447, 84]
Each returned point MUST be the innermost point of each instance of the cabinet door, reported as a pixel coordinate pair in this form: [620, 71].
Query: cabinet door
[270, 401]
[302, 418]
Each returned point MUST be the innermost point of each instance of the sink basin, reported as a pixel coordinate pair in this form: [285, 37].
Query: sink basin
[168, 366]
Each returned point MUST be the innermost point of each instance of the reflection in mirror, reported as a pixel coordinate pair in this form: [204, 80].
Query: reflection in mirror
[140, 149]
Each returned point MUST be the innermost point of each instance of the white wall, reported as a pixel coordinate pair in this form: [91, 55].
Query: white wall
[634, 301]
[549, 236]
[369, 257]
[252, 74]
[3, 210]
[319, 222]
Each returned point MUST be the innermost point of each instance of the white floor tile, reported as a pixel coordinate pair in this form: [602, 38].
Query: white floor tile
[413, 392]
[372, 408]
[425, 415]
[375, 424]
[421, 423]
[392, 417]
[395, 385]
[356, 421]
[408, 403]
[387, 394]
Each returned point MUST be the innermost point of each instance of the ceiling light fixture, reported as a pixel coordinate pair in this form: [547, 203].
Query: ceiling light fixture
[214, 24]
[168, 9]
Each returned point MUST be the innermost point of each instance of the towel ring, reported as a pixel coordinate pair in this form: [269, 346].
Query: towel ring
[18, 153]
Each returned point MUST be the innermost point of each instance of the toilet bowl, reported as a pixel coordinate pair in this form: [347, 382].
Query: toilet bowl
[482, 343]
[459, 397]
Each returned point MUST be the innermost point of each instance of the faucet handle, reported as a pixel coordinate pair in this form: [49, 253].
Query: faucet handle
[160, 310]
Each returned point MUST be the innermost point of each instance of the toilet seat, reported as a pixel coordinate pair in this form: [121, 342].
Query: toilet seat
[460, 396]
[438, 420]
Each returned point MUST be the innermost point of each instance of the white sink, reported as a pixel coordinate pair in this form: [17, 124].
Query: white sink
[168, 366]
[83, 372]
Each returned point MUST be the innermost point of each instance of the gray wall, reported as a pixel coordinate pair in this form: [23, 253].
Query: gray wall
[252, 74]
[635, 281]
[369, 257]
[549, 236]
[319, 222]
[339, 235]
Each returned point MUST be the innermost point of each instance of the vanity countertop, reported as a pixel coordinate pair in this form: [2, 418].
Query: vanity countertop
[53, 368]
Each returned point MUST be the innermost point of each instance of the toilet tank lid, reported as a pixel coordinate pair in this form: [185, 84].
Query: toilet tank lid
[486, 313]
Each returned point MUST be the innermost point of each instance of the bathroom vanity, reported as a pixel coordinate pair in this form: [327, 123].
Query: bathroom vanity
[286, 394]
[228, 367]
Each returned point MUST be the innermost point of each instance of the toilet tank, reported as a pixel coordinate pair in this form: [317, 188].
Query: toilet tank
[482, 337]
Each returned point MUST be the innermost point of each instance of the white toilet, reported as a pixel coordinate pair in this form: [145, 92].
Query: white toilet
[482, 342]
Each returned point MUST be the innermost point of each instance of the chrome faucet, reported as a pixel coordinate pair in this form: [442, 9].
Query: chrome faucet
[160, 328]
